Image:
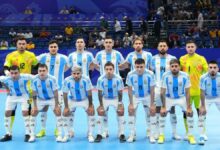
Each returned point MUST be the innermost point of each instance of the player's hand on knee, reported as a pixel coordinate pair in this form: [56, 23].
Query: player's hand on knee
[163, 111]
[189, 112]
[131, 109]
[57, 110]
[152, 110]
[90, 110]
[120, 109]
[34, 111]
[101, 111]
[202, 111]
[66, 112]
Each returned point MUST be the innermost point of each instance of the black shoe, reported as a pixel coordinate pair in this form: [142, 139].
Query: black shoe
[122, 138]
[26, 137]
[98, 138]
[5, 138]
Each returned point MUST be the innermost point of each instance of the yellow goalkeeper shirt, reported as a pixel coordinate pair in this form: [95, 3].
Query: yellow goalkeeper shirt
[23, 60]
[195, 66]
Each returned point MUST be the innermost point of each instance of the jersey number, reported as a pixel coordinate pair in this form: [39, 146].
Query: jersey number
[22, 65]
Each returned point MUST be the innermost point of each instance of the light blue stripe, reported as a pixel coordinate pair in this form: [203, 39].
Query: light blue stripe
[110, 89]
[61, 71]
[168, 92]
[43, 60]
[79, 59]
[148, 82]
[162, 66]
[25, 86]
[52, 65]
[17, 88]
[77, 91]
[44, 90]
[140, 86]
[175, 87]
[214, 87]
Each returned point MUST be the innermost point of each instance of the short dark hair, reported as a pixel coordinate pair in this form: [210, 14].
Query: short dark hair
[109, 37]
[139, 61]
[190, 42]
[14, 67]
[213, 62]
[80, 37]
[53, 42]
[21, 38]
[174, 61]
[42, 66]
[162, 41]
[109, 64]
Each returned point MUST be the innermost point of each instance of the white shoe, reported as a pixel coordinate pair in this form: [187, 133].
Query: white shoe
[59, 139]
[91, 139]
[65, 139]
[205, 137]
[186, 137]
[104, 135]
[31, 139]
[156, 136]
[152, 140]
[201, 140]
[71, 133]
[176, 137]
[131, 138]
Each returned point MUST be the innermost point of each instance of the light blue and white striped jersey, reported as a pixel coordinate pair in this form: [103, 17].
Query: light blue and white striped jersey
[56, 65]
[83, 59]
[78, 90]
[110, 87]
[44, 88]
[141, 84]
[103, 57]
[160, 65]
[17, 87]
[211, 86]
[175, 85]
[147, 56]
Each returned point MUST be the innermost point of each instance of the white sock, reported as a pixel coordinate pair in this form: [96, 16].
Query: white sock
[32, 125]
[162, 124]
[91, 124]
[7, 125]
[173, 121]
[105, 122]
[66, 125]
[43, 119]
[190, 122]
[100, 124]
[131, 124]
[121, 125]
[147, 116]
[201, 124]
[27, 124]
[153, 122]
[59, 124]
[71, 121]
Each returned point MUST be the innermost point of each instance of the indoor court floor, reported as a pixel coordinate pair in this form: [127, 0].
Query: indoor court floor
[80, 126]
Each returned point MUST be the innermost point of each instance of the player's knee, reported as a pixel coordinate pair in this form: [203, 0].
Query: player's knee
[25, 113]
[120, 112]
[8, 113]
[158, 109]
[131, 112]
[101, 113]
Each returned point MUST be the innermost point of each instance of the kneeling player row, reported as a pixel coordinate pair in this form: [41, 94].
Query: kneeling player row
[77, 92]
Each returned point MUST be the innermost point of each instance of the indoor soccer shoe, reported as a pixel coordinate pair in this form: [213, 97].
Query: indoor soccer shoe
[41, 134]
[191, 139]
[6, 138]
[201, 140]
[161, 139]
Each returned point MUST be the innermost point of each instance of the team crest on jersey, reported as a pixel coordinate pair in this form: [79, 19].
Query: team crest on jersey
[81, 86]
[21, 85]
[180, 83]
[84, 60]
[135, 81]
[39, 85]
[106, 85]
[114, 86]
[48, 85]
[74, 60]
[170, 82]
[218, 84]
[57, 62]
[208, 84]
[145, 81]
[134, 59]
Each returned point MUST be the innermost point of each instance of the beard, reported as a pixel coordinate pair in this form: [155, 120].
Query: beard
[163, 52]
[212, 74]
[175, 73]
